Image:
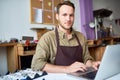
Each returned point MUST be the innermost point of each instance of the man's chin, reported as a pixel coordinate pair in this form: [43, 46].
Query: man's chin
[68, 28]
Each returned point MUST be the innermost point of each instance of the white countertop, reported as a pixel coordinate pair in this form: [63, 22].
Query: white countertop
[21, 75]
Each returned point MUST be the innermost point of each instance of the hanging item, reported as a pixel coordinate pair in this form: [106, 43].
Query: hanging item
[102, 13]
[49, 17]
[49, 4]
[41, 0]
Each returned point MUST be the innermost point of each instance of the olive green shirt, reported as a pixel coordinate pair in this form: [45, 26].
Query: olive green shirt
[47, 47]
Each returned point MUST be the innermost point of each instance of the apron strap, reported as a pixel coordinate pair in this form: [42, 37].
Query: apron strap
[77, 39]
[57, 36]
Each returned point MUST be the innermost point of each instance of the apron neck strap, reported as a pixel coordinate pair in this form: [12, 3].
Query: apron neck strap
[57, 37]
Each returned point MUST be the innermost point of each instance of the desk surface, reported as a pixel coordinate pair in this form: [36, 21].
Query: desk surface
[7, 44]
[21, 75]
[58, 76]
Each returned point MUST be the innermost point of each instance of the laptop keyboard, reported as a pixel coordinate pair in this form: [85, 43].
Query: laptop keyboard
[90, 73]
[89, 69]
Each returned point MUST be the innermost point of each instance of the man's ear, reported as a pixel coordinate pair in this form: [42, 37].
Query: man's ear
[57, 16]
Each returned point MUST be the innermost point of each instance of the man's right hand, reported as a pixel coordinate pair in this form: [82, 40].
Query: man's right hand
[76, 66]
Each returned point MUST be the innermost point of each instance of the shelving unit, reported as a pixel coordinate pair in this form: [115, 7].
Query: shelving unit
[97, 47]
[25, 54]
[17, 53]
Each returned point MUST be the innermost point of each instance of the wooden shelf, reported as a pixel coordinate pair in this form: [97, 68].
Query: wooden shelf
[97, 47]
[25, 51]
[40, 31]
[7, 44]
[14, 51]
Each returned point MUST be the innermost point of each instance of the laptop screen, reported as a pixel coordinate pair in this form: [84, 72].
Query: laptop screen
[109, 66]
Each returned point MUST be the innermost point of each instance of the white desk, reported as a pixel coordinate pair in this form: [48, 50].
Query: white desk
[21, 75]
[67, 77]
[58, 76]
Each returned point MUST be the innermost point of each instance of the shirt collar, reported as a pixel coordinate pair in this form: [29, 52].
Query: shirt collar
[63, 35]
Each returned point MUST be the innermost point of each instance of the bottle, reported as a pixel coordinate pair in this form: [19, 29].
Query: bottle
[111, 31]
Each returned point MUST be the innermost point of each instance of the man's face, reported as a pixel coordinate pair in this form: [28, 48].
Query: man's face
[65, 17]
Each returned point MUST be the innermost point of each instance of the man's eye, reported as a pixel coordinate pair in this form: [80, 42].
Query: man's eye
[71, 15]
[64, 14]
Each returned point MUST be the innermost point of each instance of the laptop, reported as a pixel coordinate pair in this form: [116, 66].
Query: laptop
[110, 65]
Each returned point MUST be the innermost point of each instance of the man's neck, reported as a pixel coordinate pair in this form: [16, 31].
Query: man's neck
[67, 32]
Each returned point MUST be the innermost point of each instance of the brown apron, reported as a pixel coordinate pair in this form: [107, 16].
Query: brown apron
[67, 55]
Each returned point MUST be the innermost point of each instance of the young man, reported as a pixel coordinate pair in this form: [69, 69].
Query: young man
[63, 50]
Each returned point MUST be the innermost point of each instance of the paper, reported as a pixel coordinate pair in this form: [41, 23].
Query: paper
[38, 15]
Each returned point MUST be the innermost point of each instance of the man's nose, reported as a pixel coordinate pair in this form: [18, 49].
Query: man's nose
[68, 17]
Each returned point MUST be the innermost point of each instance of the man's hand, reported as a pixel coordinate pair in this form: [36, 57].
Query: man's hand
[94, 64]
[76, 66]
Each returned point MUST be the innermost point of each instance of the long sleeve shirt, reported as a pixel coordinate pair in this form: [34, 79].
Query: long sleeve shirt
[47, 47]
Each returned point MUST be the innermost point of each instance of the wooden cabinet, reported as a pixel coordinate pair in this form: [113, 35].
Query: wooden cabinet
[16, 52]
[97, 47]
[24, 50]
[97, 52]
[12, 59]
[25, 54]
